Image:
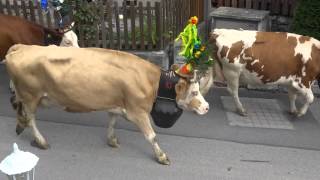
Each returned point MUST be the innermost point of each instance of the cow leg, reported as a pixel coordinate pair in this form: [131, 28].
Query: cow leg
[232, 78]
[27, 118]
[112, 139]
[144, 124]
[308, 96]
[11, 87]
[292, 93]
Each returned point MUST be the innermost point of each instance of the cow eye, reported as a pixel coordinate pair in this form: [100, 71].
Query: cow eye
[194, 93]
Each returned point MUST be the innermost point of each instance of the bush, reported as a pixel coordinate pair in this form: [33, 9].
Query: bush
[306, 19]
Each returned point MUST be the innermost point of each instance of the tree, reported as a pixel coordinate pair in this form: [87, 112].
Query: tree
[306, 19]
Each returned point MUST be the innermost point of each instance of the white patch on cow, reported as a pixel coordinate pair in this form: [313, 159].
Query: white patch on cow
[304, 48]
[117, 110]
[303, 70]
[227, 37]
[255, 61]
[69, 39]
[248, 58]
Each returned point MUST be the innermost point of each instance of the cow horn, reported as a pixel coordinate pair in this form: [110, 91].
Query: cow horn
[67, 28]
[194, 78]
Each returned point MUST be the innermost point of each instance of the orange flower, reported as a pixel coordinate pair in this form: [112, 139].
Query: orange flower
[194, 20]
[186, 69]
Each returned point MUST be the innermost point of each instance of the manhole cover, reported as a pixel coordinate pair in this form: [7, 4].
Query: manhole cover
[262, 113]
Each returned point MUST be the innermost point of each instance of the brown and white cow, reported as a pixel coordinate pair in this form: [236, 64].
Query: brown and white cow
[266, 58]
[92, 79]
[15, 30]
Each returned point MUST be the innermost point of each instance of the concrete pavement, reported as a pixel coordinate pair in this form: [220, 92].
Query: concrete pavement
[80, 153]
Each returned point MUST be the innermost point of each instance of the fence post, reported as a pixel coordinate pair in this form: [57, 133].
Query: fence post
[149, 25]
[32, 14]
[125, 24]
[133, 24]
[40, 15]
[206, 19]
[248, 4]
[141, 23]
[103, 25]
[1, 8]
[24, 9]
[8, 7]
[158, 25]
[110, 28]
[116, 10]
[16, 9]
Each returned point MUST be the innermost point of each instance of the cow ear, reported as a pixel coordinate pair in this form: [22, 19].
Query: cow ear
[181, 87]
[174, 67]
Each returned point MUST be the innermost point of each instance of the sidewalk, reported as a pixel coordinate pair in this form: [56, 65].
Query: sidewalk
[80, 153]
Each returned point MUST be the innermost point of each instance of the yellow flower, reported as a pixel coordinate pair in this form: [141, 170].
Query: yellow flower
[197, 54]
[203, 48]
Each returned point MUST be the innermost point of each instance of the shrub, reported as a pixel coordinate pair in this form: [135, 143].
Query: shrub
[306, 19]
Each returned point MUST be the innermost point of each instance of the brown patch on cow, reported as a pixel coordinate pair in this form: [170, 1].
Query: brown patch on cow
[194, 104]
[303, 39]
[60, 61]
[235, 51]
[181, 89]
[224, 51]
[280, 61]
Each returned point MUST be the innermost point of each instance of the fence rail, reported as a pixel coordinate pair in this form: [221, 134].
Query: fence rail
[276, 7]
[142, 26]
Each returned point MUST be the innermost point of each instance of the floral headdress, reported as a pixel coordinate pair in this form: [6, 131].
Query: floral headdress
[195, 52]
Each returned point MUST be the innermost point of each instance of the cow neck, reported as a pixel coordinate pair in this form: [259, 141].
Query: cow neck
[167, 83]
[52, 37]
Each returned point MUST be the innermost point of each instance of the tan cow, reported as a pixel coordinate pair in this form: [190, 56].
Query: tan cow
[92, 79]
[266, 58]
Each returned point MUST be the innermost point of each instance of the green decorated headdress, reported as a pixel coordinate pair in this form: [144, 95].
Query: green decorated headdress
[195, 52]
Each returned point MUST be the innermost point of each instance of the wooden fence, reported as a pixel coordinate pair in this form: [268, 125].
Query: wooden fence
[276, 7]
[127, 27]
[142, 26]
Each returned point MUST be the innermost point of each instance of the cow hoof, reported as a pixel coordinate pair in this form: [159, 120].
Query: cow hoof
[44, 146]
[113, 142]
[299, 114]
[13, 102]
[242, 112]
[163, 159]
[293, 112]
[19, 129]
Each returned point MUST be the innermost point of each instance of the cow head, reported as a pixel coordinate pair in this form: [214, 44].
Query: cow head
[69, 38]
[189, 96]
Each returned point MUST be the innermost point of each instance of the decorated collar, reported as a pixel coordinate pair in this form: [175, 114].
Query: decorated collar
[167, 83]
